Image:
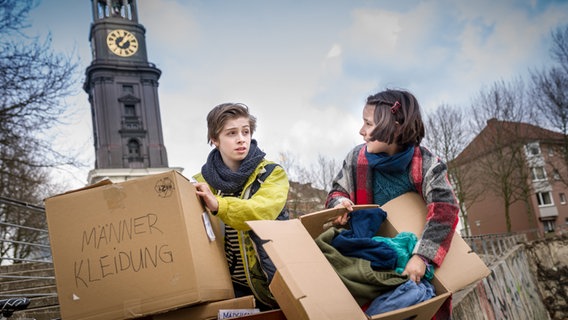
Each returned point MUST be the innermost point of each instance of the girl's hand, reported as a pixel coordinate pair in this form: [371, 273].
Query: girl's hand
[415, 269]
[203, 190]
[342, 220]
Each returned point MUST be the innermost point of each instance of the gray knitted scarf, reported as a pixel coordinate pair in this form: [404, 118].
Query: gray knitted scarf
[220, 177]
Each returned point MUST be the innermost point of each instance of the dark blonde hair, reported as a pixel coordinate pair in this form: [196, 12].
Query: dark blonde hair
[392, 106]
[220, 114]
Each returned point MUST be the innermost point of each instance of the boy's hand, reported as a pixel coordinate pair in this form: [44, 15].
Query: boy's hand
[203, 190]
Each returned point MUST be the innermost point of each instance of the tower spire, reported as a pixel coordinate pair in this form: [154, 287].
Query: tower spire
[124, 9]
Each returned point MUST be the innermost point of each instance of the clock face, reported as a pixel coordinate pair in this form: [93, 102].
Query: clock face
[122, 43]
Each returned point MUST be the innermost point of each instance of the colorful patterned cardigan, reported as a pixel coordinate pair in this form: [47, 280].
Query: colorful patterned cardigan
[429, 175]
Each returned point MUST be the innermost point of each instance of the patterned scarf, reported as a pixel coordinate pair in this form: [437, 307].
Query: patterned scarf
[395, 163]
[220, 177]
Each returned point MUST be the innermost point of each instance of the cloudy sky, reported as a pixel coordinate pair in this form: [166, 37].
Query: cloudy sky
[305, 68]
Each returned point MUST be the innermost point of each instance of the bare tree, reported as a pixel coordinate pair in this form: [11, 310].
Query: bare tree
[309, 185]
[33, 85]
[447, 134]
[503, 100]
[13, 15]
[34, 82]
[323, 172]
[559, 50]
[549, 94]
[21, 216]
[319, 174]
[501, 111]
[289, 162]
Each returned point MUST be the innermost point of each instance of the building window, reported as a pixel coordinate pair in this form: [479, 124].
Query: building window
[538, 173]
[129, 110]
[556, 174]
[562, 198]
[550, 151]
[127, 88]
[544, 199]
[548, 225]
[133, 150]
[533, 148]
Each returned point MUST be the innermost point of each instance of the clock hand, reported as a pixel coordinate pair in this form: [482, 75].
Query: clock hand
[121, 42]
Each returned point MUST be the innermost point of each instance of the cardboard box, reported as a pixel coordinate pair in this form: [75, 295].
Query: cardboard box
[134, 248]
[307, 287]
[205, 311]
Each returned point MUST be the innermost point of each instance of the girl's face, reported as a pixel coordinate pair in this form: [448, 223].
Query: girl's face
[368, 126]
[234, 142]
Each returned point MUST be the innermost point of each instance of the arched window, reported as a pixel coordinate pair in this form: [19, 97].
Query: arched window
[134, 150]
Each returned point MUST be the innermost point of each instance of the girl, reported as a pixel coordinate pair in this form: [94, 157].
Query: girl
[229, 188]
[390, 163]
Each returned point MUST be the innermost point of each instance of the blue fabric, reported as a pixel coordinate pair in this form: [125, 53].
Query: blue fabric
[403, 243]
[357, 241]
[397, 162]
[391, 174]
[405, 295]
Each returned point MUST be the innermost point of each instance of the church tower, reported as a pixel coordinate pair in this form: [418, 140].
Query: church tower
[123, 93]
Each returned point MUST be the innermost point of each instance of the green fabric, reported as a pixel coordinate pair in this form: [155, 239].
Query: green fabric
[403, 243]
[364, 283]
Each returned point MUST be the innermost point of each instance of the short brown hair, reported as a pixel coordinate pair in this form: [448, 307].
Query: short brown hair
[220, 114]
[393, 106]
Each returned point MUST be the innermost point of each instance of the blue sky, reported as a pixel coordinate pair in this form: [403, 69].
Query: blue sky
[305, 68]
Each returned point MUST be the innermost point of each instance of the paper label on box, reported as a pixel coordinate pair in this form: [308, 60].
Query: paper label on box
[208, 228]
[234, 313]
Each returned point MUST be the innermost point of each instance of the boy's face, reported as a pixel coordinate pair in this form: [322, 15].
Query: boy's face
[234, 142]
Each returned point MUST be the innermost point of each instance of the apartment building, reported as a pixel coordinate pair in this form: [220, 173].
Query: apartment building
[513, 179]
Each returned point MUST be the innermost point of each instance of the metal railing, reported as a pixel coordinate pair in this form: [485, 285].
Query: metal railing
[22, 244]
[491, 247]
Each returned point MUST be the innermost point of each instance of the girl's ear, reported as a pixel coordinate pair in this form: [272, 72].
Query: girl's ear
[214, 142]
[396, 128]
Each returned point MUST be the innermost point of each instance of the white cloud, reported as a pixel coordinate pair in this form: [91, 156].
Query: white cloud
[170, 26]
[305, 69]
[374, 33]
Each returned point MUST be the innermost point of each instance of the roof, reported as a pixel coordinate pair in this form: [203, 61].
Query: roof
[499, 133]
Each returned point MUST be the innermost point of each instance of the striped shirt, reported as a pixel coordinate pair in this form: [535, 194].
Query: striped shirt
[233, 256]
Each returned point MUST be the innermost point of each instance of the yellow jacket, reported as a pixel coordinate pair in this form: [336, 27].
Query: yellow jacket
[265, 204]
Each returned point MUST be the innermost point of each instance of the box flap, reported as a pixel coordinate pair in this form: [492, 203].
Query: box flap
[306, 285]
[461, 266]
[91, 186]
[421, 311]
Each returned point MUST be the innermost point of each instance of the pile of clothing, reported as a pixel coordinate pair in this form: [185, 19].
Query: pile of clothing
[371, 266]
